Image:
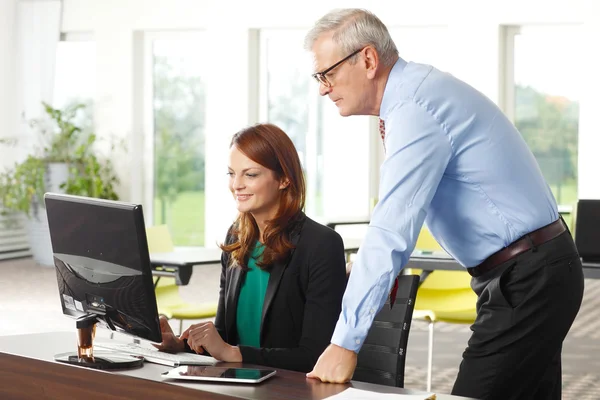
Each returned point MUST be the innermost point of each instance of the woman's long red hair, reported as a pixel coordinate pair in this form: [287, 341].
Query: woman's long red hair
[269, 146]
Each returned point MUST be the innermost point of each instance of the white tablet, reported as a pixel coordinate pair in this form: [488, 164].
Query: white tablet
[219, 374]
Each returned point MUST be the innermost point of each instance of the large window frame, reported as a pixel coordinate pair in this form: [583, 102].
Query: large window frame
[508, 77]
[309, 158]
[322, 165]
[148, 125]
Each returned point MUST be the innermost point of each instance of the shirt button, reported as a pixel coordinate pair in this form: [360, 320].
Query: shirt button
[357, 341]
[372, 311]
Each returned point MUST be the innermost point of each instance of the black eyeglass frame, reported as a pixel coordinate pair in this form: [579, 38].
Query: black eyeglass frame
[320, 76]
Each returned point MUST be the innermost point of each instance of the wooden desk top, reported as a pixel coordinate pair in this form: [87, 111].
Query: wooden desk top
[27, 370]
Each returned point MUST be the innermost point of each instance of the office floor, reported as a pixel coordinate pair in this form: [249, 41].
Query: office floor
[29, 304]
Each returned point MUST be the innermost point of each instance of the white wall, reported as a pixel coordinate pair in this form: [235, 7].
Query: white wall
[8, 113]
[475, 45]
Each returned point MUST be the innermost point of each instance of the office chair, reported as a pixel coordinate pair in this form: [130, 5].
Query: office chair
[168, 299]
[444, 296]
[383, 354]
[587, 229]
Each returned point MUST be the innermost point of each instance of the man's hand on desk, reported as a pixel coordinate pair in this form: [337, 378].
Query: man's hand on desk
[170, 342]
[204, 336]
[336, 365]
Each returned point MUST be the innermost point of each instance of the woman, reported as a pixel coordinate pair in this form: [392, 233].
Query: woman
[283, 275]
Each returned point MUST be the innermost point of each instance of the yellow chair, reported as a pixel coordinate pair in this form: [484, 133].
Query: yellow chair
[443, 296]
[168, 299]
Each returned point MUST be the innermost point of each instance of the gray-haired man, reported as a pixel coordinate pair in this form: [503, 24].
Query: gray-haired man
[455, 161]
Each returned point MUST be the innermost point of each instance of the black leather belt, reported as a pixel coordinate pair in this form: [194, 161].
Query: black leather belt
[519, 246]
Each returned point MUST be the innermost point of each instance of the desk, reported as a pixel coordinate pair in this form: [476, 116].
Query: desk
[351, 245]
[442, 261]
[178, 264]
[591, 270]
[27, 371]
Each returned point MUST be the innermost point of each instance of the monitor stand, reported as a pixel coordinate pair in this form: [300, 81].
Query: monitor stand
[86, 357]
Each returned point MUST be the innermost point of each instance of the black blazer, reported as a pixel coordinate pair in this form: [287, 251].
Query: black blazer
[302, 303]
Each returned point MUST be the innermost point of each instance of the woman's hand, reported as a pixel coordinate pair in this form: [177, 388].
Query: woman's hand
[170, 342]
[204, 336]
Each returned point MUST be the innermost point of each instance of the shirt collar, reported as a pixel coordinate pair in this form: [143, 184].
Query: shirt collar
[394, 80]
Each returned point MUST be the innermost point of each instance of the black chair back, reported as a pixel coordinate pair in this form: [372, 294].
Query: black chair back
[587, 230]
[382, 357]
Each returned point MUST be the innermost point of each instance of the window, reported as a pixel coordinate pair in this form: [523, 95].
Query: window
[545, 95]
[178, 70]
[289, 100]
[334, 151]
[75, 76]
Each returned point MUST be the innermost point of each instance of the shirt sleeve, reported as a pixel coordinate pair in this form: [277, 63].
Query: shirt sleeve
[418, 151]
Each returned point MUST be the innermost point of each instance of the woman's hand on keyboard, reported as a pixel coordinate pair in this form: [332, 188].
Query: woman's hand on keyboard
[170, 343]
[204, 336]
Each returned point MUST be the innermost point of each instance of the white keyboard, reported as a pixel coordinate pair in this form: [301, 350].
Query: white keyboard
[155, 356]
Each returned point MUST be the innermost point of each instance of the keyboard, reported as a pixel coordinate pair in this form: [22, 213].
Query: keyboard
[155, 356]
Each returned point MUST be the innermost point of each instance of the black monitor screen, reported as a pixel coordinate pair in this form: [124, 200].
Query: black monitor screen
[102, 262]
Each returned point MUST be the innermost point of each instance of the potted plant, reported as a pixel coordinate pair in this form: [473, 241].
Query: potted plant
[66, 162]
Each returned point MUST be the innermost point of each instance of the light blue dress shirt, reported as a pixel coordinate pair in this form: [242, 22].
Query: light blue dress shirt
[455, 161]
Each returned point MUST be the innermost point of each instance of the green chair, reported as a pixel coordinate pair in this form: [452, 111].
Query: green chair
[168, 299]
[443, 296]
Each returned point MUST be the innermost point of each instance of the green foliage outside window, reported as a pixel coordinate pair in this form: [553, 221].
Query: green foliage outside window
[550, 126]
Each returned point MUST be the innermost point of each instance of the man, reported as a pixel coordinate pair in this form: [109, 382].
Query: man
[456, 162]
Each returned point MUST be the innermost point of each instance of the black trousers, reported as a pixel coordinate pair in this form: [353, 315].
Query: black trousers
[525, 308]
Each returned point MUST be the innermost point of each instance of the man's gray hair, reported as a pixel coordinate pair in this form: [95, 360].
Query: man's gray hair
[353, 29]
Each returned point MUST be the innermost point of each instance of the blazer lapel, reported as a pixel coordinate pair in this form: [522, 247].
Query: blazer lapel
[274, 279]
[232, 294]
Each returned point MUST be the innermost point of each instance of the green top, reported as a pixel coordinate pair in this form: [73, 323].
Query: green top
[251, 299]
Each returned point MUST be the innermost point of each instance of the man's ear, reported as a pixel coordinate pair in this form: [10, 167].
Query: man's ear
[371, 61]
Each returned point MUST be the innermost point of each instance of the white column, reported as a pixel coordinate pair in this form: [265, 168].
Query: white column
[8, 110]
[589, 124]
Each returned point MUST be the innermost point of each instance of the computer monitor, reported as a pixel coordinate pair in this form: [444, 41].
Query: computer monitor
[587, 230]
[102, 263]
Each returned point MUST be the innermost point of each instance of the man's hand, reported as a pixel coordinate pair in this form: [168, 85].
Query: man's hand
[170, 342]
[336, 365]
[205, 336]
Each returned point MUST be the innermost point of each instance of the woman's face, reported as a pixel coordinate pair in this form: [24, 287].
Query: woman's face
[255, 188]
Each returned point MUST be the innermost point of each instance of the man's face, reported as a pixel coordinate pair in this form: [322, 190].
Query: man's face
[348, 81]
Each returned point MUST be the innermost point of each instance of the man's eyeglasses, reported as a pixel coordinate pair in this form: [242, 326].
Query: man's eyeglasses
[320, 76]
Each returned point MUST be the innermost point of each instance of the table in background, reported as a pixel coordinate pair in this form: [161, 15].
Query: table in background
[28, 370]
[442, 261]
[179, 263]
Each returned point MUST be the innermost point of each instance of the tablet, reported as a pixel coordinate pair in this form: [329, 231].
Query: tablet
[219, 374]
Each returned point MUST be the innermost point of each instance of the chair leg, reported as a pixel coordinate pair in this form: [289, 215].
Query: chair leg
[430, 357]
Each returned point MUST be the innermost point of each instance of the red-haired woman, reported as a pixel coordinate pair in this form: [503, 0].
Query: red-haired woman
[283, 274]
